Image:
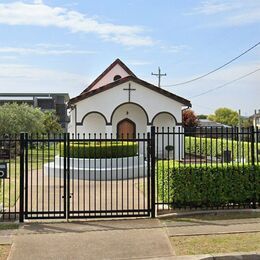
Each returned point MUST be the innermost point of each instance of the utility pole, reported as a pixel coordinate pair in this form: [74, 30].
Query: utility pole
[159, 75]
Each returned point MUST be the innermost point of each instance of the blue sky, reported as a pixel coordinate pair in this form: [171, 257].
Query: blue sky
[61, 46]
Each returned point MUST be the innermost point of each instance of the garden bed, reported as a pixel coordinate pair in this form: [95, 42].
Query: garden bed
[108, 149]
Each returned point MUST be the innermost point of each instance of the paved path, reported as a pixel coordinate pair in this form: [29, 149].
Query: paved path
[121, 239]
[45, 194]
[203, 227]
[114, 239]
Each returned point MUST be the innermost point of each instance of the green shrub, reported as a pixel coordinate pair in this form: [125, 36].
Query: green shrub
[215, 147]
[101, 149]
[211, 186]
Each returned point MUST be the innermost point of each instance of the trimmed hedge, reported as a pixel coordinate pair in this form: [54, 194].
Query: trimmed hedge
[215, 147]
[101, 149]
[212, 186]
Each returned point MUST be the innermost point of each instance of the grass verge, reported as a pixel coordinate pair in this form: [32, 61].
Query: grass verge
[214, 216]
[209, 244]
[6, 225]
[4, 251]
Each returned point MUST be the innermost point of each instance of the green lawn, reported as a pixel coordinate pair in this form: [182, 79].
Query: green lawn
[209, 244]
[6, 225]
[214, 216]
[10, 186]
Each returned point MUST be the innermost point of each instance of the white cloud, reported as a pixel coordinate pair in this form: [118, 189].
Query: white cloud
[138, 63]
[40, 14]
[175, 48]
[25, 78]
[7, 57]
[214, 7]
[42, 49]
[230, 13]
[38, 2]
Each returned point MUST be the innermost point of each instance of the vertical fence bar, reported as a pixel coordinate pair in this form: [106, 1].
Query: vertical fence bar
[253, 145]
[21, 210]
[65, 176]
[253, 164]
[152, 154]
[26, 174]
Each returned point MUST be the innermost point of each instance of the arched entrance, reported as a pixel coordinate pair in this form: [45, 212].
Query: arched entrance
[133, 112]
[126, 128]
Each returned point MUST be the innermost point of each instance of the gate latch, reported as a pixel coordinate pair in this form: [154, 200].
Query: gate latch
[71, 194]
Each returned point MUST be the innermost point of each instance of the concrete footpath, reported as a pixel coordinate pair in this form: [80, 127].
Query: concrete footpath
[120, 239]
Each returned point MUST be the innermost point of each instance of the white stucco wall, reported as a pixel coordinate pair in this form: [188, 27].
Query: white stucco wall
[165, 123]
[115, 101]
[93, 123]
[106, 102]
[132, 112]
[71, 125]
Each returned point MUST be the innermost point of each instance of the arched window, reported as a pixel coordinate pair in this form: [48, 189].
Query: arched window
[117, 77]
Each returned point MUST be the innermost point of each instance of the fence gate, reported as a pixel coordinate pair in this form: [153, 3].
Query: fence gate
[45, 184]
[89, 177]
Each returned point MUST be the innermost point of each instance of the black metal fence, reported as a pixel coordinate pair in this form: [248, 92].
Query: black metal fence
[9, 177]
[207, 169]
[90, 176]
[68, 176]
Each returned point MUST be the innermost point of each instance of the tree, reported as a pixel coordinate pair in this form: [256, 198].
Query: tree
[202, 116]
[189, 119]
[246, 122]
[225, 116]
[51, 124]
[16, 118]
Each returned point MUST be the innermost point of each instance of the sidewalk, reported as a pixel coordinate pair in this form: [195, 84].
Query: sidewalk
[116, 239]
[120, 239]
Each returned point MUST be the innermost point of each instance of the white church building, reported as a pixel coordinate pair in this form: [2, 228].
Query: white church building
[118, 102]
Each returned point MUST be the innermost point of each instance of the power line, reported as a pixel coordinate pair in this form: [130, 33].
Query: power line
[212, 71]
[227, 83]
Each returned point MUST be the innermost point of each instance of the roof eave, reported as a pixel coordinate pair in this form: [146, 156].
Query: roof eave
[161, 91]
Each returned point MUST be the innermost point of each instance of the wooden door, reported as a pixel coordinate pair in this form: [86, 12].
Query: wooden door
[126, 129]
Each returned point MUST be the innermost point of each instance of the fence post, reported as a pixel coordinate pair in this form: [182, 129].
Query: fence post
[68, 178]
[21, 208]
[152, 151]
[253, 163]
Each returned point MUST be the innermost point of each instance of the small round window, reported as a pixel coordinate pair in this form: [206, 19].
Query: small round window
[117, 77]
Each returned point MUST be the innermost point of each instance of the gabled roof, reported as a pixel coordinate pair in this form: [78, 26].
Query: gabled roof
[133, 78]
[110, 67]
[209, 123]
[256, 115]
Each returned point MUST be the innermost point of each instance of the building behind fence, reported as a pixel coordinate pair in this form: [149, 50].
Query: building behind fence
[165, 170]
